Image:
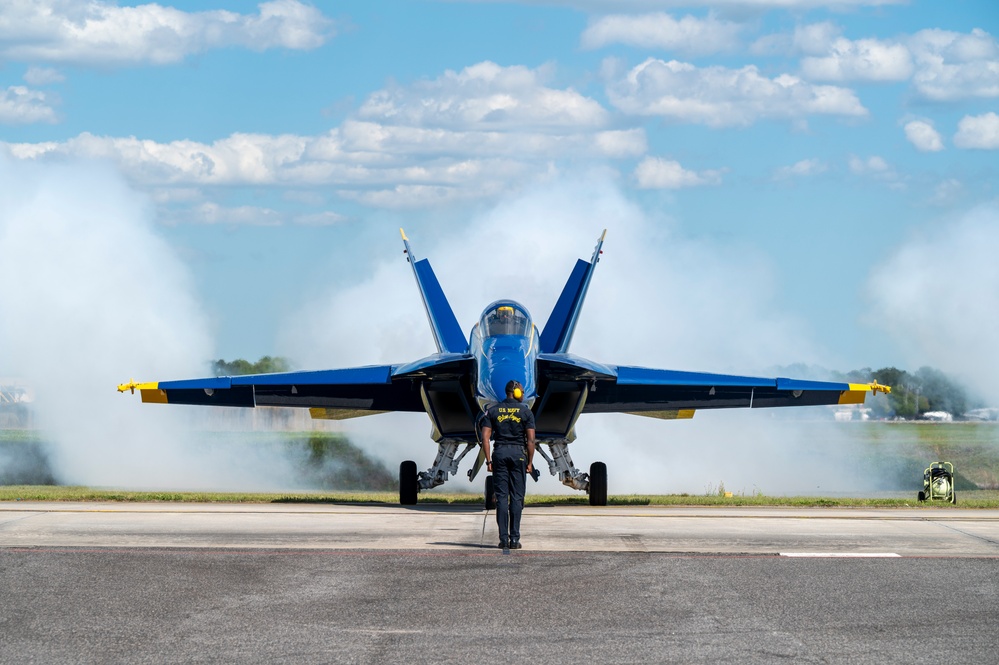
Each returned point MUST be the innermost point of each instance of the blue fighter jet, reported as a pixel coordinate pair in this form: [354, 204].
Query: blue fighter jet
[455, 385]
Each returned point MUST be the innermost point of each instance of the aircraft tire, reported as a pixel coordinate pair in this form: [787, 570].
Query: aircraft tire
[921, 496]
[490, 493]
[598, 484]
[408, 485]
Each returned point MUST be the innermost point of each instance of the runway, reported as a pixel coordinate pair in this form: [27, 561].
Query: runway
[713, 530]
[276, 583]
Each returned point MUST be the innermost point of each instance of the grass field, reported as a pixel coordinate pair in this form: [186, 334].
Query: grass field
[971, 499]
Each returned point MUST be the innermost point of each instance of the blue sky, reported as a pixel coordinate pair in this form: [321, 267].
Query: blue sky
[805, 162]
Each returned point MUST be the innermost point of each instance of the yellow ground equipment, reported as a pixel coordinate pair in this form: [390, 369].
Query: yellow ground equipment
[938, 483]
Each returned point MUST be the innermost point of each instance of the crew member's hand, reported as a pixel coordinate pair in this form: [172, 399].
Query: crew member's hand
[530, 468]
[489, 465]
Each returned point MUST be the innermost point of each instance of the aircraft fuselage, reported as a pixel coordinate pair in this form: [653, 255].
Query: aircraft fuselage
[505, 345]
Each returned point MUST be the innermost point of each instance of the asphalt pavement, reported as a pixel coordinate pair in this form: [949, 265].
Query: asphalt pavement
[171, 583]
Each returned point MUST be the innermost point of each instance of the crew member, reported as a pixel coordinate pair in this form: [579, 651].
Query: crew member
[511, 423]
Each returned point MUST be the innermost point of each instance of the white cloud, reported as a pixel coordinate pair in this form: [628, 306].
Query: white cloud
[325, 218]
[99, 32]
[808, 39]
[464, 136]
[876, 168]
[689, 34]
[750, 5]
[953, 65]
[978, 131]
[21, 105]
[801, 169]
[658, 173]
[43, 76]
[922, 134]
[212, 213]
[871, 165]
[947, 193]
[942, 65]
[863, 59]
[486, 97]
[719, 96]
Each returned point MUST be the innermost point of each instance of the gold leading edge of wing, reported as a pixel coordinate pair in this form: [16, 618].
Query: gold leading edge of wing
[669, 414]
[325, 413]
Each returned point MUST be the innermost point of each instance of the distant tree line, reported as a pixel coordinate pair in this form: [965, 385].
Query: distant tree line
[912, 393]
[239, 366]
[927, 389]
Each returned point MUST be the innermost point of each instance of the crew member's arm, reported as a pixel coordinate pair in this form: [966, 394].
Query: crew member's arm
[528, 416]
[530, 450]
[487, 431]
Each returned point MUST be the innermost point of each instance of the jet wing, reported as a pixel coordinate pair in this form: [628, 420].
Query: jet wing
[437, 382]
[669, 394]
[334, 393]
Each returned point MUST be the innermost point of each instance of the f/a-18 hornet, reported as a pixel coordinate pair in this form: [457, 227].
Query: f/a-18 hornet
[456, 384]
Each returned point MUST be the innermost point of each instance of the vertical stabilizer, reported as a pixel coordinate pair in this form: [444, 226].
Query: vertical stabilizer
[447, 332]
[562, 322]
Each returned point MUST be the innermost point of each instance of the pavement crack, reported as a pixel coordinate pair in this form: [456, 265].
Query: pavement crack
[18, 519]
[990, 541]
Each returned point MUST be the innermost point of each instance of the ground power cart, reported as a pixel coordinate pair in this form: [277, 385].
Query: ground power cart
[938, 483]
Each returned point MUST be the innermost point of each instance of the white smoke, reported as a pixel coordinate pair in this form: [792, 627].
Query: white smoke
[658, 299]
[937, 297]
[90, 297]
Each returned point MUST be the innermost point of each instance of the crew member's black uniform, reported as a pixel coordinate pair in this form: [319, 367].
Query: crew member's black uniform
[509, 420]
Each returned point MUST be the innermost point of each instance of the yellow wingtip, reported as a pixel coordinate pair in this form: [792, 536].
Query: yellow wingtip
[132, 386]
[403, 234]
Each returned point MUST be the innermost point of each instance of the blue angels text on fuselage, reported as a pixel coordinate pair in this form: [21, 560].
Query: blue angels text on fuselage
[456, 384]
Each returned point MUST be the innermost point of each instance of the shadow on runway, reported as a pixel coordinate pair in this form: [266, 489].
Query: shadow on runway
[440, 508]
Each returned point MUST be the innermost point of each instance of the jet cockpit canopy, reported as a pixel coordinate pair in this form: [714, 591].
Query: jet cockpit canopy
[505, 317]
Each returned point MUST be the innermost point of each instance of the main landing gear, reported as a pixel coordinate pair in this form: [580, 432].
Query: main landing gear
[560, 464]
[598, 484]
[408, 486]
[411, 482]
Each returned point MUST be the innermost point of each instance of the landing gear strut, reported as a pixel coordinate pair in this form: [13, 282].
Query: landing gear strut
[448, 459]
[560, 464]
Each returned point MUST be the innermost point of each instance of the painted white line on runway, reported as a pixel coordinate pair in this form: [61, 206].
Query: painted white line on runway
[818, 555]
